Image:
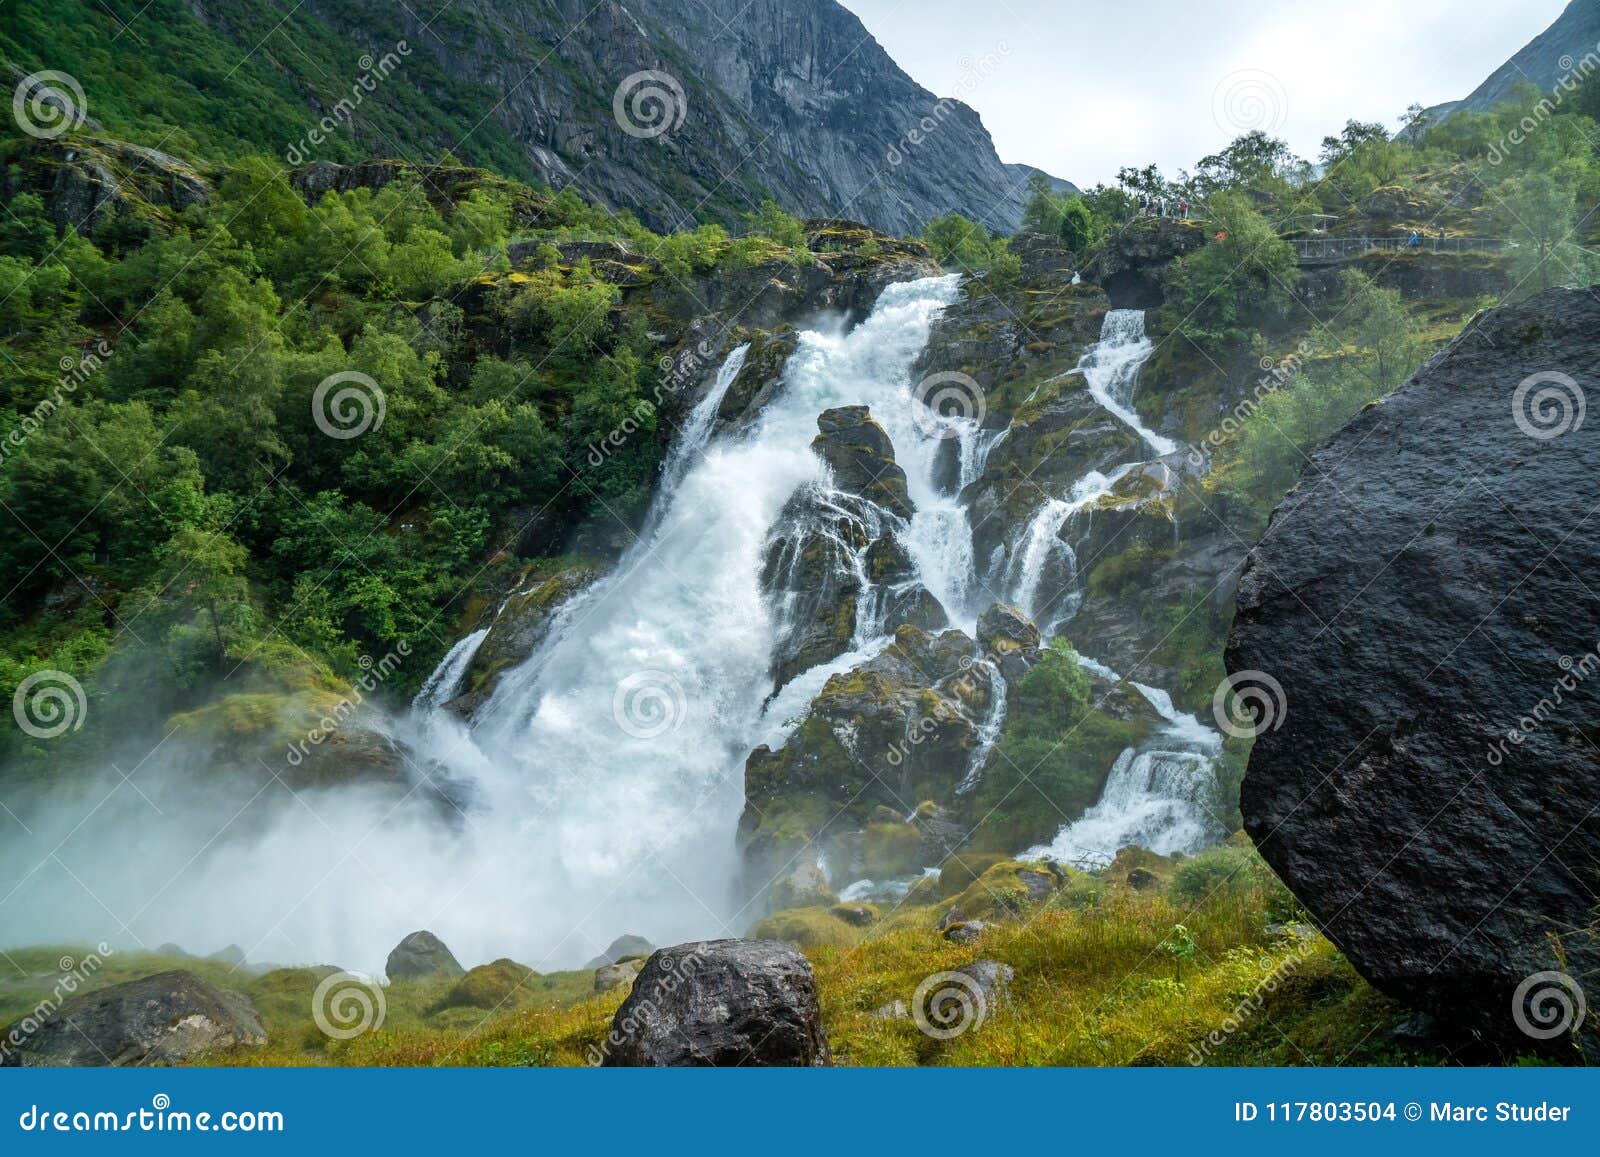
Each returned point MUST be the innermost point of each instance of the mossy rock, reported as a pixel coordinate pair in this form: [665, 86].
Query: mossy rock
[808, 928]
[890, 850]
[958, 873]
[1011, 887]
[502, 984]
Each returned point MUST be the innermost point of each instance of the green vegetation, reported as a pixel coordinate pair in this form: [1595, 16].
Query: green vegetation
[1053, 759]
[256, 443]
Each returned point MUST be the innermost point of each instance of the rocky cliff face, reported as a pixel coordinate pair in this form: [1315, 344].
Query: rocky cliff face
[791, 99]
[1427, 784]
[1543, 61]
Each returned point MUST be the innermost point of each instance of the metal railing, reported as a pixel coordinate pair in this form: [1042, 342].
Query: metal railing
[1338, 248]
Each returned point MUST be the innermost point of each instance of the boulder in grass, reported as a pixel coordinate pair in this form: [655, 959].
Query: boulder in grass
[722, 1003]
[421, 955]
[165, 1019]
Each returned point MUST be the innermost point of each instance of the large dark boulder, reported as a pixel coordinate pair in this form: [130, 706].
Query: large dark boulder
[164, 1019]
[721, 1003]
[1426, 597]
[420, 955]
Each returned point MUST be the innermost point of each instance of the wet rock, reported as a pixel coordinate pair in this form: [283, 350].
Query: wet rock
[1143, 880]
[861, 457]
[168, 1018]
[803, 886]
[721, 1003]
[517, 630]
[420, 955]
[1010, 640]
[1427, 784]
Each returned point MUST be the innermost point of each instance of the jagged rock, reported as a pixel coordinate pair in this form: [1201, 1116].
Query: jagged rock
[419, 955]
[721, 1003]
[1427, 784]
[894, 1010]
[1143, 880]
[861, 457]
[902, 726]
[164, 1019]
[609, 976]
[1132, 263]
[621, 948]
[1009, 640]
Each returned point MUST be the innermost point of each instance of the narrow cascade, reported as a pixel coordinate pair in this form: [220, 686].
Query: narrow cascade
[441, 686]
[1158, 796]
[988, 731]
[1111, 368]
[1045, 549]
[696, 431]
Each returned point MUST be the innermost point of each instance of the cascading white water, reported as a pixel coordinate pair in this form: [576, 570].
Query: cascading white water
[598, 790]
[446, 677]
[1158, 796]
[1111, 369]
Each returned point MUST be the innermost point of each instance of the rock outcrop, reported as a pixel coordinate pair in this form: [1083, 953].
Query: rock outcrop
[1131, 264]
[721, 1003]
[1428, 784]
[164, 1019]
[421, 955]
[622, 948]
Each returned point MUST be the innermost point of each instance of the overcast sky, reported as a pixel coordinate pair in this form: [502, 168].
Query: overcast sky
[1081, 89]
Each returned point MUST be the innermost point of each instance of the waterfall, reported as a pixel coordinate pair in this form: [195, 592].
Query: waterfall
[441, 686]
[1111, 368]
[1158, 795]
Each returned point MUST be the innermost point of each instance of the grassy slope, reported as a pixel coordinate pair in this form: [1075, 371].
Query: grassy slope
[1094, 986]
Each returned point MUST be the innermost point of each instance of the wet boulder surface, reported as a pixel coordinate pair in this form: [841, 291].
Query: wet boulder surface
[724, 1003]
[1428, 599]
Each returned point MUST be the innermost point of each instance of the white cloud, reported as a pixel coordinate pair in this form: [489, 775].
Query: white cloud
[1086, 88]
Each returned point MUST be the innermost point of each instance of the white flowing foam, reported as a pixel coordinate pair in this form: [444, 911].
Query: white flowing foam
[598, 791]
[441, 685]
